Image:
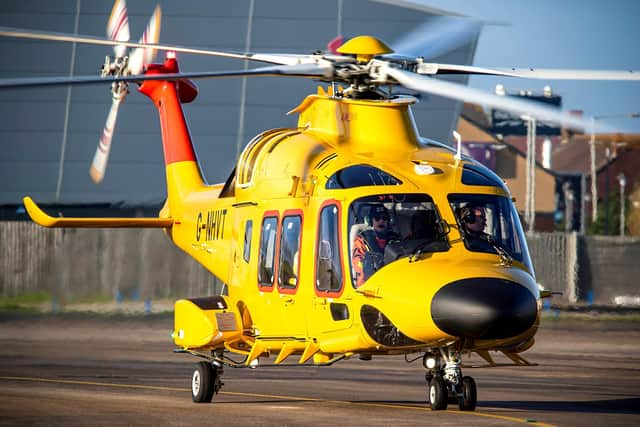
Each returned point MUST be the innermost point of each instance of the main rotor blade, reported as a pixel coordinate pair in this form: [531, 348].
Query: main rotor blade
[507, 103]
[99, 163]
[280, 59]
[531, 73]
[437, 36]
[301, 70]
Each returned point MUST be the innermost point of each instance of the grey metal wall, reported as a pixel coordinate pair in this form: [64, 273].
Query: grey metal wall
[610, 270]
[72, 265]
[37, 159]
[76, 264]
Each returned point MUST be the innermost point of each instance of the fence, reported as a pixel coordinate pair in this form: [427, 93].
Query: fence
[76, 264]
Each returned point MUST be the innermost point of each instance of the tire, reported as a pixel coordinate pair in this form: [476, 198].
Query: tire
[202, 382]
[437, 393]
[469, 398]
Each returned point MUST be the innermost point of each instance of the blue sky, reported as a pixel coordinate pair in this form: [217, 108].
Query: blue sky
[577, 34]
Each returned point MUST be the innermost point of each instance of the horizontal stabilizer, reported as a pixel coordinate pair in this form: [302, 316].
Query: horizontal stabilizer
[42, 218]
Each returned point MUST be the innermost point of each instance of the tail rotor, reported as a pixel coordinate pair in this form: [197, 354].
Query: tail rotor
[122, 65]
[143, 56]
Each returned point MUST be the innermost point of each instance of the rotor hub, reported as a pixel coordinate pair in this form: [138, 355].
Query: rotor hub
[364, 48]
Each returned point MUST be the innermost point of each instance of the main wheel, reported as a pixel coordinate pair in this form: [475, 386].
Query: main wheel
[202, 383]
[438, 395]
[469, 398]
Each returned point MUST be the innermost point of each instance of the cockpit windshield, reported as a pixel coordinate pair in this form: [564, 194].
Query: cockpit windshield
[490, 224]
[384, 228]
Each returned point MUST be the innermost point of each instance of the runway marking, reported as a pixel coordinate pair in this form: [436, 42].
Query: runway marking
[76, 382]
[275, 396]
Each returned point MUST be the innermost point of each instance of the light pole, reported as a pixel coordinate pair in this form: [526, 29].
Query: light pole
[530, 183]
[623, 182]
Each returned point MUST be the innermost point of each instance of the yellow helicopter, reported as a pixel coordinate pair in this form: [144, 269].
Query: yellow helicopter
[348, 235]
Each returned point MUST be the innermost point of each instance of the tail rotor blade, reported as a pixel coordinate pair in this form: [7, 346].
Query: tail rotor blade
[118, 27]
[99, 164]
[143, 56]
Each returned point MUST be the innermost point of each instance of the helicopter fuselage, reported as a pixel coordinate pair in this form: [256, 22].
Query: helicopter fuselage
[298, 295]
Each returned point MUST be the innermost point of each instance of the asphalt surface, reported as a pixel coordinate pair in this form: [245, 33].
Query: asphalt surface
[105, 370]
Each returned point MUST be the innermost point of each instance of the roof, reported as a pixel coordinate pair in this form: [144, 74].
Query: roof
[473, 133]
[574, 156]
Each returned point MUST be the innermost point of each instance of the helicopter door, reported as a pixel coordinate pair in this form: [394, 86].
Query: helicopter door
[330, 311]
[245, 252]
[288, 274]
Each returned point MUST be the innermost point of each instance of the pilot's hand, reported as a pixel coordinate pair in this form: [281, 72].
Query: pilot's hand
[372, 262]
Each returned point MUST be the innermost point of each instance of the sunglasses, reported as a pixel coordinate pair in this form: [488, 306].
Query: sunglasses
[379, 217]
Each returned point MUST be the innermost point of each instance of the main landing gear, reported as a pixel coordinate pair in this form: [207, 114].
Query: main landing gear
[445, 383]
[205, 381]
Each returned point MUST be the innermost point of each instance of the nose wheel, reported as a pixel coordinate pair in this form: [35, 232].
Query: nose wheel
[445, 383]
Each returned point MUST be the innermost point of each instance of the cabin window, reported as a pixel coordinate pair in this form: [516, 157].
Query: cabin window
[266, 262]
[328, 262]
[289, 267]
[360, 176]
[248, 227]
[478, 175]
[249, 157]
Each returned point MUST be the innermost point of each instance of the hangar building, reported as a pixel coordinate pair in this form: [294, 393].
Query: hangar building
[48, 136]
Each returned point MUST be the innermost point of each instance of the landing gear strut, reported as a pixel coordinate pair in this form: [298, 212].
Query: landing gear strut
[205, 381]
[445, 383]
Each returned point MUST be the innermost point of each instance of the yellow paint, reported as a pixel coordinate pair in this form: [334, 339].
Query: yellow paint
[364, 48]
[195, 327]
[40, 217]
[285, 172]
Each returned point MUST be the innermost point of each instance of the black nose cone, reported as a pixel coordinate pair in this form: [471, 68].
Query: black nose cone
[484, 308]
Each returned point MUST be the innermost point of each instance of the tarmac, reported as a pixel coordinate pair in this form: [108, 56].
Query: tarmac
[117, 367]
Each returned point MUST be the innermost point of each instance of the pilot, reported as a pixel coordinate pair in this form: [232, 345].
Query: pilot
[369, 245]
[473, 219]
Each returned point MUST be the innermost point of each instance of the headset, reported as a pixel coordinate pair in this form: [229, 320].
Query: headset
[468, 215]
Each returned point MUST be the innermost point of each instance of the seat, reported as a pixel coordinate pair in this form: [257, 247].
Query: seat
[355, 230]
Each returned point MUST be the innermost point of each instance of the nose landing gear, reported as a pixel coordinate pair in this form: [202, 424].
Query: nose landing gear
[445, 383]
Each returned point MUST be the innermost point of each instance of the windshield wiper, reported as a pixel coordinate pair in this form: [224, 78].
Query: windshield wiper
[418, 250]
[505, 257]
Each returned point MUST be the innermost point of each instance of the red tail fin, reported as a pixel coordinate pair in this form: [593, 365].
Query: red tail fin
[176, 140]
[183, 172]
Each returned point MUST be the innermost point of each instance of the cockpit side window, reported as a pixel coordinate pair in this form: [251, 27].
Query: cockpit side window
[385, 228]
[360, 176]
[490, 224]
[478, 175]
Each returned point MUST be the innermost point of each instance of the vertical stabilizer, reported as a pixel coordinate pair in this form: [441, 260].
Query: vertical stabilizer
[183, 171]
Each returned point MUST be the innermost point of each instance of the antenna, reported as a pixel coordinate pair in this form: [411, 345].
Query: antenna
[458, 138]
